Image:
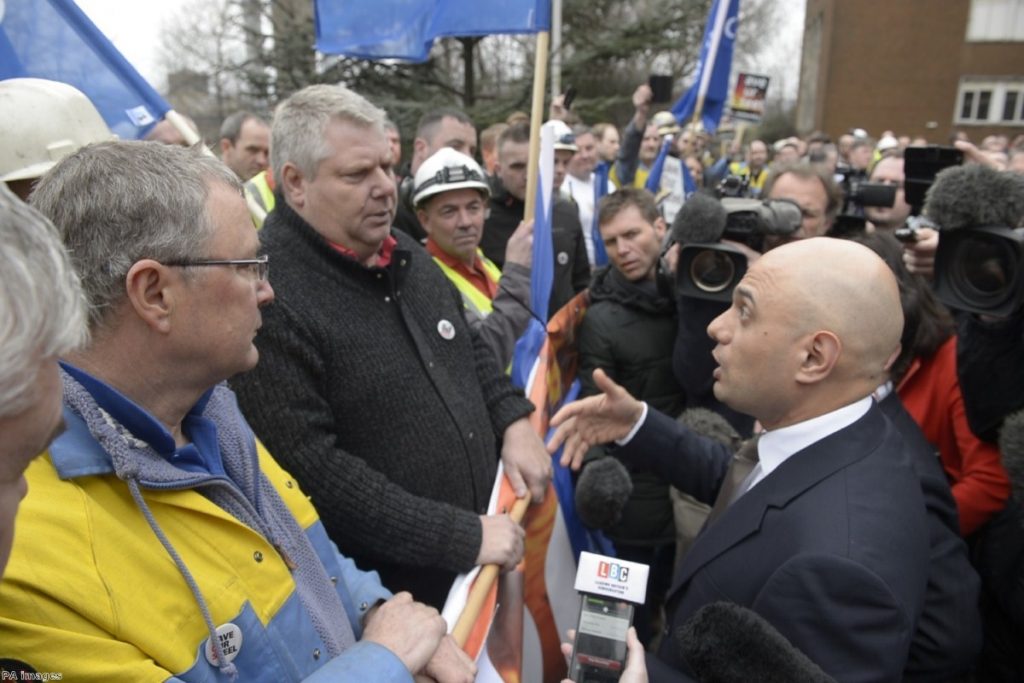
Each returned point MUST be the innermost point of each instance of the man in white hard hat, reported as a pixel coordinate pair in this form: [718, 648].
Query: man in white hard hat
[671, 192]
[43, 122]
[450, 197]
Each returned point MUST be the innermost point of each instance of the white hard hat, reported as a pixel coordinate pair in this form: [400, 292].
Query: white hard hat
[564, 139]
[886, 143]
[666, 123]
[44, 121]
[448, 170]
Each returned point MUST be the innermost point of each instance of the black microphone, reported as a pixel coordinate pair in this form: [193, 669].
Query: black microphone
[604, 485]
[973, 195]
[726, 643]
[1011, 444]
[602, 490]
[701, 219]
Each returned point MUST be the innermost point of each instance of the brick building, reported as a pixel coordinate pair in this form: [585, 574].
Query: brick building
[916, 67]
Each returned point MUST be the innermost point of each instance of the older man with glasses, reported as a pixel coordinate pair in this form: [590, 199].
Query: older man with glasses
[161, 541]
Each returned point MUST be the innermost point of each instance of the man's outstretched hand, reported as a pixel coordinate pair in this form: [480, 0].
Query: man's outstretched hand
[594, 420]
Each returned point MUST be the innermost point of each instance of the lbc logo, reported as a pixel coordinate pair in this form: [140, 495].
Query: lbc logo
[613, 571]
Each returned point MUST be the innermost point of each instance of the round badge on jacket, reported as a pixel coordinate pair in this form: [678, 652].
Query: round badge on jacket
[446, 330]
[230, 637]
[563, 258]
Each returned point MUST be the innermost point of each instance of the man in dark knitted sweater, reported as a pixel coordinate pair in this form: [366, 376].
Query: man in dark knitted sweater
[381, 401]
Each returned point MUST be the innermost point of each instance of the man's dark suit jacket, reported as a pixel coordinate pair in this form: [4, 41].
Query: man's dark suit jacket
[831, 548]
[948, 637]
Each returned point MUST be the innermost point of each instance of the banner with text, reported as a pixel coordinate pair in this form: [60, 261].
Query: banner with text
[748, 98]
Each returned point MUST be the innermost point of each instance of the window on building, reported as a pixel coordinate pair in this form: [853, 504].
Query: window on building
[996, 21]
[991, 101]
[1011, 110]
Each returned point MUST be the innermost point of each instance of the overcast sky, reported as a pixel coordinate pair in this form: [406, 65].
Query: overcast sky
[134, 28]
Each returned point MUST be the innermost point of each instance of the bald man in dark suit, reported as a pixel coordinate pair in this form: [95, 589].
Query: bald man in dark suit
[819, 526]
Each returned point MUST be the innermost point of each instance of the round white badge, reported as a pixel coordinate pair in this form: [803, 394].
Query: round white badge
[230, 637]
[563, 258]
[446, 330]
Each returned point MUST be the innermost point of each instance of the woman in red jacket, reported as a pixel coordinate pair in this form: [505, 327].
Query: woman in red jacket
[925, 378]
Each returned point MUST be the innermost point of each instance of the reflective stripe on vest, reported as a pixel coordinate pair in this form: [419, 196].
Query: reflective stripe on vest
[259, 189]
[474, 300]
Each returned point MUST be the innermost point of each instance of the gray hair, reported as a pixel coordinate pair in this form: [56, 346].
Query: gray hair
[430, 122]
[297, 134]
[42, 309]
[118, 202]
[582, 129]
[232, 126]
[807, 171]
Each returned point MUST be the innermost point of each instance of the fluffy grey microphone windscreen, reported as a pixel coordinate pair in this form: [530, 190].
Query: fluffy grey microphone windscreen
[602, 490]
[974, 195]
[701, 219]
[726, 643]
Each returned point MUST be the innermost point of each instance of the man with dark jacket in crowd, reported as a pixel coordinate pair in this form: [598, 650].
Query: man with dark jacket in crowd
[628, 332]
[572, 268]
[391, 410]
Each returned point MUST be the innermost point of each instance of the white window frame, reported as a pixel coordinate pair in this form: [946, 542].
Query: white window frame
[995, 21]
[997, 87]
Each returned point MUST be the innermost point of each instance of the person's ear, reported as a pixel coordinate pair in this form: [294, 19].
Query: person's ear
[660, 227]
[225, 145]
[151, 292]
[293, 185]
[421, 215]
[419, 150]
[820, 354]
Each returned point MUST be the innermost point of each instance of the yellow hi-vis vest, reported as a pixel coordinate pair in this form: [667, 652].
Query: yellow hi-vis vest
[258, 188]
[473, 299]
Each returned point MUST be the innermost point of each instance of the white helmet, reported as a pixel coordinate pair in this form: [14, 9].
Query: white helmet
[666, 123]
[564, 139]
[44, 121]
[448, 170]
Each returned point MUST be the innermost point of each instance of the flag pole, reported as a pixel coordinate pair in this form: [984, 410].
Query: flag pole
[489, 573]
[721, 12]
[191, 138]
[540, 74]
[482, 586]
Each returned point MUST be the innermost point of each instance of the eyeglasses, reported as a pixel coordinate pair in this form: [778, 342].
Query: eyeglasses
[259, 266]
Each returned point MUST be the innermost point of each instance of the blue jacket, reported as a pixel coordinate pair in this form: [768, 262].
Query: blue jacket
[90, 591]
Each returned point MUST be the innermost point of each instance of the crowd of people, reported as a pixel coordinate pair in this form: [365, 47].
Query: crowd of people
[261, 444]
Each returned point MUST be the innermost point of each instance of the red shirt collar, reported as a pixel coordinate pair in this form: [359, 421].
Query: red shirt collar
[476, 275]
[387, 247]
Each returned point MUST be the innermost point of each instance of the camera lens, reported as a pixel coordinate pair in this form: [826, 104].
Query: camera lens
[984, 270]
[712, 271]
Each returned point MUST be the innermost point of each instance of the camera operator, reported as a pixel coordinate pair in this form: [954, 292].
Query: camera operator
[977, 272]
[862, 151]
[813, 189]
[701, 220]
[889, 171]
